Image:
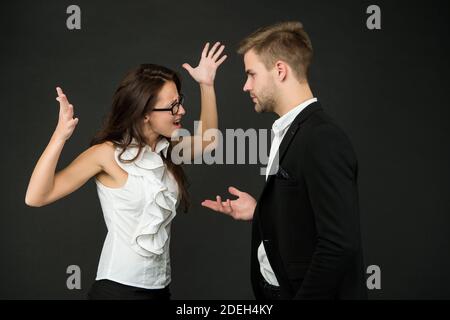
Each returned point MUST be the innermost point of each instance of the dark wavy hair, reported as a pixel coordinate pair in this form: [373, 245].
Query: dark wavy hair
[136, 96]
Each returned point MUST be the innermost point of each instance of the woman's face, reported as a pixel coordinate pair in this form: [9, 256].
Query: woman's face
[164, 122]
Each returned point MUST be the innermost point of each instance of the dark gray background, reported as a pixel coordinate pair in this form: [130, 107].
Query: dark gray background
[388, 89]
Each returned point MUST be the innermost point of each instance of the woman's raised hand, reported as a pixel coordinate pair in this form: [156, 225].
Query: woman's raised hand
[66, 122]
[210, 60]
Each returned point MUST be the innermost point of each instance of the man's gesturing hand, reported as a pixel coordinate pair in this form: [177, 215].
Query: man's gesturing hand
[240, 209]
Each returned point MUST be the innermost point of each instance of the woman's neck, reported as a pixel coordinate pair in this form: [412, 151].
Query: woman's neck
[153, 140]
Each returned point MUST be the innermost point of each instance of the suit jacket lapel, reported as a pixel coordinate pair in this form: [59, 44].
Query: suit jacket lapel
[290, 134]
[302, 117]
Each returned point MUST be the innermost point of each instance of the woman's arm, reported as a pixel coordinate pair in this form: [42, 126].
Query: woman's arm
[205, 74]
[208, 113]
[45, 187]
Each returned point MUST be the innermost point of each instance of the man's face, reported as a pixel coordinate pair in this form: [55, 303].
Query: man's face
[260, 83]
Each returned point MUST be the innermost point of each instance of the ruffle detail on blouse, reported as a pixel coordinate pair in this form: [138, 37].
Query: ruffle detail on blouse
[151, 231]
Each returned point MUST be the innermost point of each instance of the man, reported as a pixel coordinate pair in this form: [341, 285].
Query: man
[306, 226]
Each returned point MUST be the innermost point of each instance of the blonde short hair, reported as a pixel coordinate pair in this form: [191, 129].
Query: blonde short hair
[286, 41]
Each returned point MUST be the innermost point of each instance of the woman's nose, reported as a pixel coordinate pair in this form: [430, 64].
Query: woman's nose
[181, 110]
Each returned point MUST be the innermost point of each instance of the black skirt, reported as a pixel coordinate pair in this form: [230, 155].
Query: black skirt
[110, 290]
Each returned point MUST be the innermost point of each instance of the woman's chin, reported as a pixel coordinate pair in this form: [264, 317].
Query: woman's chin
[175, 132]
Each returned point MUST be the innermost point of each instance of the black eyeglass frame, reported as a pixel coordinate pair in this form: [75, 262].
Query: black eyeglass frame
[174, 106]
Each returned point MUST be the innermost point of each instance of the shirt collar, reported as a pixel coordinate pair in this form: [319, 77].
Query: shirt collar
[161, 146]
[285, 121]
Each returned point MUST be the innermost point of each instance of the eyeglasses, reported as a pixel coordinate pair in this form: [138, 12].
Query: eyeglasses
[174, 106]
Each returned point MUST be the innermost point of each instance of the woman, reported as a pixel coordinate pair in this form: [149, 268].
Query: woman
[138, 184]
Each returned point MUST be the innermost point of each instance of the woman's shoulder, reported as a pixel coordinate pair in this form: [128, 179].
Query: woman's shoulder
[103, 152]
[103, 148]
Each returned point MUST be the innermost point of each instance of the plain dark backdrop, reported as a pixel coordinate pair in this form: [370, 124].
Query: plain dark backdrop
[387, 88]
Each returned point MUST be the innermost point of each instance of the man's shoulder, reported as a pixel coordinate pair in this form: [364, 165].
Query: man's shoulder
[316, 121]
[318, 118]
[321, 128]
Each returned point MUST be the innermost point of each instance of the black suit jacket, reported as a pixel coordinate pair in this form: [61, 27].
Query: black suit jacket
[308, 216]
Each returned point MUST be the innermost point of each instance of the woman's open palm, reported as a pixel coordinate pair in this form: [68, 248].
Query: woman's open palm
[210, 60]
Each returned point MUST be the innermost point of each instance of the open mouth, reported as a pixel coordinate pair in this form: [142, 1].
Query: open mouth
[177, 123]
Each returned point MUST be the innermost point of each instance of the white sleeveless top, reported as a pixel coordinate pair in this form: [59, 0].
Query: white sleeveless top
[138, 216]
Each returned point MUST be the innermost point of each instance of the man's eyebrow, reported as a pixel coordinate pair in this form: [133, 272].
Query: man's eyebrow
[248, 71]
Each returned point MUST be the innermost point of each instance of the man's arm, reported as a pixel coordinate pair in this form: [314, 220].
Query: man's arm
[330, 175]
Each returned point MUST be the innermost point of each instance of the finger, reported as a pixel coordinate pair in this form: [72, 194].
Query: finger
[232, 213]
[59, 91]
[69, 111]
[218, 63]
[228, 207]
[219, 203]
[213, 205]
[63, 105]
[205, 50]
[60, 95]
[210, 204]
[234, 191]
[217, 54]
[188, 67]
[213, 49]
[74, 122]
[62, 99]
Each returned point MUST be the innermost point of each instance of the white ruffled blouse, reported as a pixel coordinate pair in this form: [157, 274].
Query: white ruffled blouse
[138, 216]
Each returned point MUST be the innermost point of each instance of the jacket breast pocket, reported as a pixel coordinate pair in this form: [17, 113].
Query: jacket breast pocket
[284, 178]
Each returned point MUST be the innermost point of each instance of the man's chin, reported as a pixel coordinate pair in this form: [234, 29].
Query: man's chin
[258, 108]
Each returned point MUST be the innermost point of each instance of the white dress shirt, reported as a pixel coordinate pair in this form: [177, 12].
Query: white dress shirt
[279, 127]
[138, 216]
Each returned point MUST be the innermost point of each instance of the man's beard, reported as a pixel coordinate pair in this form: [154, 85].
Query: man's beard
[266, 103]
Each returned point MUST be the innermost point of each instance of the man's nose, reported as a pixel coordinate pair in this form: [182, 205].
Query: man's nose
[246, 86]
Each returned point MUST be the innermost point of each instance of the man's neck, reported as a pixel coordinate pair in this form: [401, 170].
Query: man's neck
[292, 97]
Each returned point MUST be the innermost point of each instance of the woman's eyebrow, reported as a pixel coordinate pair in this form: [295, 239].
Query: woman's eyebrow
[171, 101]
[174, 100]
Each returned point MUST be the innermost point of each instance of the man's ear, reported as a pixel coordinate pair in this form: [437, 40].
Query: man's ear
[282, 70]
